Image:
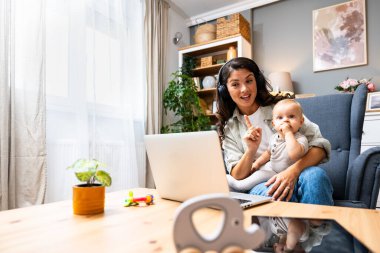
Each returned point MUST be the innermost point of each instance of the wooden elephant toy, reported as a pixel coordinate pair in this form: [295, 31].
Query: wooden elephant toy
[231, 236]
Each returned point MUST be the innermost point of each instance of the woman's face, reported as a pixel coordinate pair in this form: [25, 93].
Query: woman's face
[241, 86]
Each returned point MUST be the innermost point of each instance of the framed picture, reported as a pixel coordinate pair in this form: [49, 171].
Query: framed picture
[373, 102]
[339, 36]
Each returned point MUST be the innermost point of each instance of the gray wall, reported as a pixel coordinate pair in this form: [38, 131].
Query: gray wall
[282, 41]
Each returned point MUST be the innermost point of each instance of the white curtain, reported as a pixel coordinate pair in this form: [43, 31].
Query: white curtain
[22, 103]
[156, 34]
[95, 89]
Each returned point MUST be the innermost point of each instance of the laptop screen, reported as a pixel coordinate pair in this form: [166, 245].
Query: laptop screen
[185, 165]
[305, 235]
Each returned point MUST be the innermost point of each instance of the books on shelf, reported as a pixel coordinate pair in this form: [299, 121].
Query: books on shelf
[197, 82]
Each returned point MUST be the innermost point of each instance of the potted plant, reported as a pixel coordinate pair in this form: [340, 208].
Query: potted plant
[88, 198]
[181, 97]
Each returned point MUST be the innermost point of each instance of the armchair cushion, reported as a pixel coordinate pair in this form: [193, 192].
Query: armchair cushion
[340, 118]
[364, 178]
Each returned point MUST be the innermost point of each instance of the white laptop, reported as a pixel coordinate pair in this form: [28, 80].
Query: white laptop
[185, 165]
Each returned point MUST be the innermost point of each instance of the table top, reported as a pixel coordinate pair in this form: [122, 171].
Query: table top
[54, 228]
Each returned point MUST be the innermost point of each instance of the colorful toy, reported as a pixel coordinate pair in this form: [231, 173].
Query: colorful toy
[131, 201]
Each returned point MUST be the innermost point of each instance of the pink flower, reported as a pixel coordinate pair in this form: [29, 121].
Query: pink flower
[371, 87]
[345, 84]
[350, 85]
[352, 82]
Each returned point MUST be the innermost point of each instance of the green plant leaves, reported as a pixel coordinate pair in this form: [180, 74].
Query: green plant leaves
[181, 97]
[189, 63]
[87, 170]
[84, 176]
[103, 177]
[88, 164]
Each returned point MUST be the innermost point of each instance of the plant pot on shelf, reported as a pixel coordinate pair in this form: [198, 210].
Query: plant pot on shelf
[88, 199]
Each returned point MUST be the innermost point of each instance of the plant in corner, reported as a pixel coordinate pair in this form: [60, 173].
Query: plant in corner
[181, 98]
[88, 198]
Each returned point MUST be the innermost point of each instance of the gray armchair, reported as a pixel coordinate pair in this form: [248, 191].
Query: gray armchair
[355, 177]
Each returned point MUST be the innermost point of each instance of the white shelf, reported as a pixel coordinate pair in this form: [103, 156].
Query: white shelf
[243, 48]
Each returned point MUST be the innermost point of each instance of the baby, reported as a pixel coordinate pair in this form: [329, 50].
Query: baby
[292, 234]
[286, 146]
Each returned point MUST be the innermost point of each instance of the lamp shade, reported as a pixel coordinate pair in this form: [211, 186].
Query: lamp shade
[281, 80]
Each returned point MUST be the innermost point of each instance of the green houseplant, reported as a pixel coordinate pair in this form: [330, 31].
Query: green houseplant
[189, 63]
[181, 98]
[88, 198]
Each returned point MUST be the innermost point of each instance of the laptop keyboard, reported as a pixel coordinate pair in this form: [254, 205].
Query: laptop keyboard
[242, 201]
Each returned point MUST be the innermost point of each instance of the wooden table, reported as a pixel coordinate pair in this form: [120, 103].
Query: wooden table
[53, 227]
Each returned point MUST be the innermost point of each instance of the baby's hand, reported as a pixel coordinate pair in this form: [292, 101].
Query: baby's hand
[255, 167]
[285, 128]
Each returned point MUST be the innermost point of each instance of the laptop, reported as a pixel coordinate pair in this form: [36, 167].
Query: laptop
[185, 165]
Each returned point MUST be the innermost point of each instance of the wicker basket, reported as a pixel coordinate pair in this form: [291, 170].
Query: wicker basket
[232, 25]
[206, 61]
[205, 33]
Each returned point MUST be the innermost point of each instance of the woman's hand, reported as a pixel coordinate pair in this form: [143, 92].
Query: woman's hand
[283, 184]
[253, 136]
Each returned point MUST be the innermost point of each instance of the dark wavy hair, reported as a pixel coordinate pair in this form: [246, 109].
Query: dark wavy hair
[225, 104]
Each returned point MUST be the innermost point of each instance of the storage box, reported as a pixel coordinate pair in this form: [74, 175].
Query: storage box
[206, 61]
[232, 25]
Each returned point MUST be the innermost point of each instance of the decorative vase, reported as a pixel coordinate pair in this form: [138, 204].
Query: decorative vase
[209, 82]
[231, 53]
[88, 199]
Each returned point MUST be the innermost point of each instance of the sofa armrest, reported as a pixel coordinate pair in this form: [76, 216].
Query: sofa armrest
[363, 178]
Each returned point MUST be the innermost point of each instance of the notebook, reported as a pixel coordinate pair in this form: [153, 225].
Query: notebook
[185, 165]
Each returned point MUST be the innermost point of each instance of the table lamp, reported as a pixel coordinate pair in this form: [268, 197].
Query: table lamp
[281, 81]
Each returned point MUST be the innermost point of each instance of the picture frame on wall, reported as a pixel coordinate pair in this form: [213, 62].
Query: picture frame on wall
[373, 102]
[339, 36]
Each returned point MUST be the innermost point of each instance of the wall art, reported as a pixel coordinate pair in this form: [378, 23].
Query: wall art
[373, 102]
[339, 36]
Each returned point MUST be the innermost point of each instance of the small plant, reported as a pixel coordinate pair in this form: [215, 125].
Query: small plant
[87, 170]
[181, 98]
[188, 65]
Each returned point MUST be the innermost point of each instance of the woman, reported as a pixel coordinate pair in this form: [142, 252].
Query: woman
[245, 114]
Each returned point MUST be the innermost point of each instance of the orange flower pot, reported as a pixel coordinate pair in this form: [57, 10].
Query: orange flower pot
[88, 199]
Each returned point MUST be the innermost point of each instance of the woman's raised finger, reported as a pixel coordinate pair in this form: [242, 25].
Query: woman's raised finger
[247, 121]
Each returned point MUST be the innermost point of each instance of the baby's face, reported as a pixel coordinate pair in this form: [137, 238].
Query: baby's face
[288, 113]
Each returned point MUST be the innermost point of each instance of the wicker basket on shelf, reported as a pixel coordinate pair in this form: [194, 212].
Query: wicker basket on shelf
[232, 25]
[205, 33]
[206, 61]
